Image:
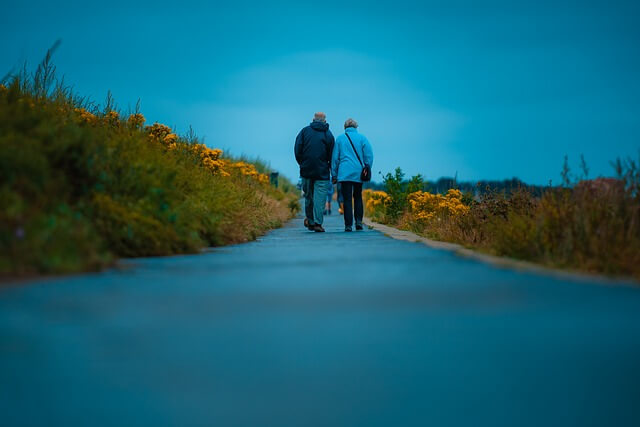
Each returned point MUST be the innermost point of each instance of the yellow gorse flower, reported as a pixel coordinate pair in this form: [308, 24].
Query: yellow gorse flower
[171, 138]
[263, 178]
[427, 207]
[113, 118]
[247, 169]
[210, 158]
[158, 131]
[171, 141]
[136, 120]
[85, 116]
[376, 199]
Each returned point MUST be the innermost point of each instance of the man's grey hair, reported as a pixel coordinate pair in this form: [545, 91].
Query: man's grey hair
[319, 117]
[350, 123]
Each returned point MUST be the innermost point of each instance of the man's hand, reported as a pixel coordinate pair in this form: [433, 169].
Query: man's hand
[334, 180]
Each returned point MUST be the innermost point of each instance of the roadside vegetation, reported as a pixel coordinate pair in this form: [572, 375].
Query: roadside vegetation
[591, 225]
[81, 185]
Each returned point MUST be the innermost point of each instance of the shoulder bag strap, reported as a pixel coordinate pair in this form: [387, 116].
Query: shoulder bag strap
[354, 148]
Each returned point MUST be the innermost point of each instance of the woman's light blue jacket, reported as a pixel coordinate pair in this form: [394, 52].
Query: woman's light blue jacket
[344, 163]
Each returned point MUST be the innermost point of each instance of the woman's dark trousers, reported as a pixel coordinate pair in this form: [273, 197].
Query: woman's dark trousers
[352, 195]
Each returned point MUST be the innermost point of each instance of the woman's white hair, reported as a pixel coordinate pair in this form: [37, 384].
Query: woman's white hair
[350, 123]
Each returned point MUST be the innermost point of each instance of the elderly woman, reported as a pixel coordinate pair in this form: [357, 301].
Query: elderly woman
[351, 153]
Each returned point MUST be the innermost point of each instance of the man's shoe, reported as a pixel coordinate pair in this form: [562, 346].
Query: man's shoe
[317, 228]
[307, 224]
[359, 227]
[347, 229]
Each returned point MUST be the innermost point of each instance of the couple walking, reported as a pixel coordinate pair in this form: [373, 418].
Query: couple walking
[325, 161]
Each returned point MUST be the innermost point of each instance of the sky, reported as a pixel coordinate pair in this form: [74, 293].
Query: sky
[481, 90]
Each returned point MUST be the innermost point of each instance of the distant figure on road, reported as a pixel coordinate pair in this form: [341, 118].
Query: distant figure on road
[327, 208]
[351, 153]
[313, 149]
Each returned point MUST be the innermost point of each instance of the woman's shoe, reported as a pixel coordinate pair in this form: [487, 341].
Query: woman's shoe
[308, 225]
[347, 229]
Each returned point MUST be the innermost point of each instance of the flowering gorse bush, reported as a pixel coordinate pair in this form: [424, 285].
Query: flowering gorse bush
[112, 118]
[84, 116]
[210, 159]
[161, 134]
[376, 199]
[376, 204]
[136, 121]
[426, 207]
[247, 169]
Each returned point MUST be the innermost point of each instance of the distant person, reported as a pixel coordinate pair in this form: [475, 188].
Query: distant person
[352, 154]
[327, 208]
[313, 149]
[340, 200]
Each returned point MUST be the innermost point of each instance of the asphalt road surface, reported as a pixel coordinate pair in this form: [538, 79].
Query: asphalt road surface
[319, 329]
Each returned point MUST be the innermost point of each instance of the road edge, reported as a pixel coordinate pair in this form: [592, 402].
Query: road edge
[497, 261]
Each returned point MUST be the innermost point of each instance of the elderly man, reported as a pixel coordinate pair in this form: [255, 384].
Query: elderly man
[313, 150]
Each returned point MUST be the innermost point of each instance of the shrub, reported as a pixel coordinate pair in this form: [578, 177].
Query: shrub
[376, 204]
[427, 208]
[397, 191]
[80, 186]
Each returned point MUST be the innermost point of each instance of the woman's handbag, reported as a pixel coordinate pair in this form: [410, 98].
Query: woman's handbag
[365, 175]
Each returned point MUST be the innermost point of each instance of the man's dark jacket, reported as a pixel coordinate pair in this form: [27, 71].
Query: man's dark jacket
[313, 149]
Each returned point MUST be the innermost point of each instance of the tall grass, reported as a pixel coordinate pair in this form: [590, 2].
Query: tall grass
[81, 186]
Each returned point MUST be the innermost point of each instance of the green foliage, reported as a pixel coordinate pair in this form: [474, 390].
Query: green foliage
[394, 188]
[79, 188]
[398, 189]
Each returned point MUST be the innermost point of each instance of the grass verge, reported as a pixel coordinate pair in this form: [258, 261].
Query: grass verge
[81, 185]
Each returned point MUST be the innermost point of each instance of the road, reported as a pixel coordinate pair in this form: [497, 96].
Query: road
[319, 329]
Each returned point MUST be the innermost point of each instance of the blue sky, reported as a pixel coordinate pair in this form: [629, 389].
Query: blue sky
[482, 89]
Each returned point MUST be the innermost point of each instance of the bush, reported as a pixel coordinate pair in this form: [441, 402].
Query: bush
[80, 186]
[394, 201]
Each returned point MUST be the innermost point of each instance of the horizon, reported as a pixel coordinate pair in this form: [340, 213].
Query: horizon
[494, 92]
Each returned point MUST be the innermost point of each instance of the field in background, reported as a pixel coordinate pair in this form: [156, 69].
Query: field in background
[591, 225]
[81, 185]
